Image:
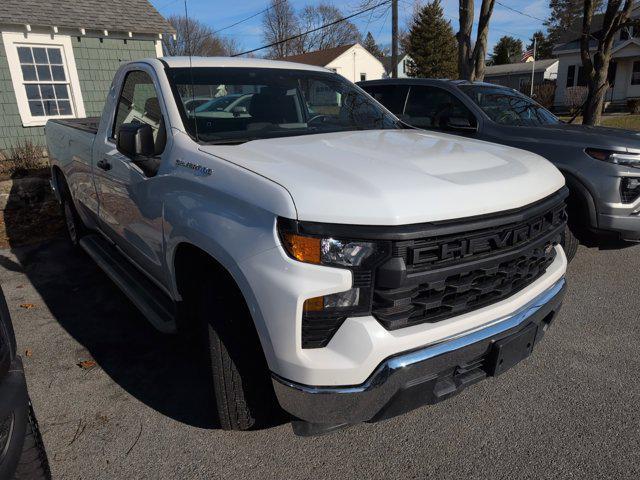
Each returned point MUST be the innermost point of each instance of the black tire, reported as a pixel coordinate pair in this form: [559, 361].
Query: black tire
[569, 243]
[241, 380]
[75, 228]
[33, 464]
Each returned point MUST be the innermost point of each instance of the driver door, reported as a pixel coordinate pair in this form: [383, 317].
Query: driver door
[130, 212]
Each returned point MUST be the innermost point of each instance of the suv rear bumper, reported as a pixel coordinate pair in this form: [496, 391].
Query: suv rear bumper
[425, 376]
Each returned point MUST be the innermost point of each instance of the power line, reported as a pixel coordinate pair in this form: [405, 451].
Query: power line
[384, 21]
[519, 12]
[249, 17]
[343, 19]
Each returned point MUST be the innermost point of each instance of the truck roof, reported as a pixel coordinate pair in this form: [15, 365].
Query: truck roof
[184, 62]
[425, 81]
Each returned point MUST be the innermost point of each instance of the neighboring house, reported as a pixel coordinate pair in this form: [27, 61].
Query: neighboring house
[518, 75]
[403, 66]
[353, 62]
[624, 70]
[58, 57]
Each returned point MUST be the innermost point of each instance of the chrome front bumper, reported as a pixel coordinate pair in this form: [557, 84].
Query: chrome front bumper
[409, 380]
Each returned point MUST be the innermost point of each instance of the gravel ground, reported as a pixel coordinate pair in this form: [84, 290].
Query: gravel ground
[570, 410]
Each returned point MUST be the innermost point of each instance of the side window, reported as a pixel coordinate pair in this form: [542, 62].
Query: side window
[138, 103]
[391, 96]
[433, 107]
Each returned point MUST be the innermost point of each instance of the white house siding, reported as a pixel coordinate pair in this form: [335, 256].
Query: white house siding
[622, 88]
[561, 83]
[403, 67]
[626, 51]
[355, 62]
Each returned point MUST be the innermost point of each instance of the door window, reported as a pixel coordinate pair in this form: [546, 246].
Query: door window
[138, 103]
[433, 107]
[391, 96]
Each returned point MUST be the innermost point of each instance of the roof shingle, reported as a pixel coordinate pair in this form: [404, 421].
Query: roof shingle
[319, 58]
[515, 68]
[137, 16]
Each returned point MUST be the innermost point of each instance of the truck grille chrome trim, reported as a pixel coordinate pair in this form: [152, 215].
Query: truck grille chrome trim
[464, 339]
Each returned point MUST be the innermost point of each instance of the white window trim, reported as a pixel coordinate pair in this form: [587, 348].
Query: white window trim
[11, 42]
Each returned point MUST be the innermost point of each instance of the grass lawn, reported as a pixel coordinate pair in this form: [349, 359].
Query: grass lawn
[629, 122]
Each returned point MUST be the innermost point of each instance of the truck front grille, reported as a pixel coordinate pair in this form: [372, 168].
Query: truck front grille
[460, 293]
[435, 278]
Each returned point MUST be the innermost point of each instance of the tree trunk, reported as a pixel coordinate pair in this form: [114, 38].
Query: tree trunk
[465, 66]
[471, 61]
[480, 50]
[597, 90]
[596, 65]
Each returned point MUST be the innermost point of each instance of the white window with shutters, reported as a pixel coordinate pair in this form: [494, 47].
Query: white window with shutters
[44, 77]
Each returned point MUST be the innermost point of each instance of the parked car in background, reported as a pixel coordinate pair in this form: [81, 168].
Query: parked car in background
[315, 247]
[234, 104]
[22, 453]
[601, 165]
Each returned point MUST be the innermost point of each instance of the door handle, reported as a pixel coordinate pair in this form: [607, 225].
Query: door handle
[104, 164]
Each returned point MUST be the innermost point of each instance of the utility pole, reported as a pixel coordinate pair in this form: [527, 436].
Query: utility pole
[394, 38]
[533, 67]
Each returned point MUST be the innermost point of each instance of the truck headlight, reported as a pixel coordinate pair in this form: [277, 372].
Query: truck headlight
[327, 251]
[612, 156]
[322, 316]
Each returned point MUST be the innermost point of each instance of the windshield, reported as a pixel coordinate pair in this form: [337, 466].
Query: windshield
[508, 107]
[255, 103]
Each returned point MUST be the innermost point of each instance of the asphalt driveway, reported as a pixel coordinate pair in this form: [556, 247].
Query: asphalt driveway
[570, 410]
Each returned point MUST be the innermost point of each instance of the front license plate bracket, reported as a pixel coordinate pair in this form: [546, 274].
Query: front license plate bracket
[508, 351]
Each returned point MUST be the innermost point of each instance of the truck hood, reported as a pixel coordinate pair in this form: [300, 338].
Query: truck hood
[579, 135]
[395, 177]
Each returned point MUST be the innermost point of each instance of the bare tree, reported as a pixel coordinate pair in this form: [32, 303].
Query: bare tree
[471, 59]
[195, 38]
[279, 23]
[596, 63]
[314, 16]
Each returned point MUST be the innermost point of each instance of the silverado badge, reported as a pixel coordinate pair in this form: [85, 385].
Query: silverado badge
[206, 171]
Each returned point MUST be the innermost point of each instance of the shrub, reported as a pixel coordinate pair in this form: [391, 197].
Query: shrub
[575, 97]
[633, 105]
[22, 159]
[544, 93]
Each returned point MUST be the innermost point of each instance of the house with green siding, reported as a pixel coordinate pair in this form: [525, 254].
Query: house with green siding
[57, 58]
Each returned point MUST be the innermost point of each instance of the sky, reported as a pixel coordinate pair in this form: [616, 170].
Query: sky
[219, 14]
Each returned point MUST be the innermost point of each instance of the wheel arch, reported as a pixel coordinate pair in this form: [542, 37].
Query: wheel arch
[581, 194]
[187, 254]
[57, 177]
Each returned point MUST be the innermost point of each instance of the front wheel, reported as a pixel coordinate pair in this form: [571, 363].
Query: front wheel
[241, 380]
[569, 243]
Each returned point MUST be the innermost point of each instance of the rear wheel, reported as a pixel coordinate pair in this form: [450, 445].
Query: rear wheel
[75, 228]
[241, 380]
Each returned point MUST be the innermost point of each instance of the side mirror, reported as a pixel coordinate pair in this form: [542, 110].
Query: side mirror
[461, 124]
[135, 139]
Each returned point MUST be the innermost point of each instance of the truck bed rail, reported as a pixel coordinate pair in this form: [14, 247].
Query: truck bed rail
[88, 124]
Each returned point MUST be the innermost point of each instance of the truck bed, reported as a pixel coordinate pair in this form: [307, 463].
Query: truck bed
[88, 124]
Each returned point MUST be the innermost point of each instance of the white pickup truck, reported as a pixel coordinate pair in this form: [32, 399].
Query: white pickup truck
[324, 254]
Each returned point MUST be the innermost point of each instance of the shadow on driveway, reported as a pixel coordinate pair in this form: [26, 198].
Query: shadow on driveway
[159, 370]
